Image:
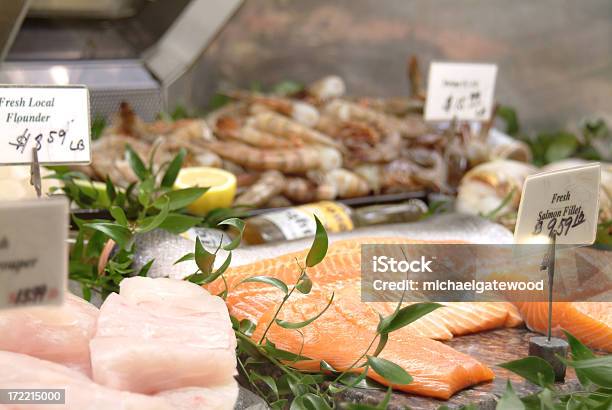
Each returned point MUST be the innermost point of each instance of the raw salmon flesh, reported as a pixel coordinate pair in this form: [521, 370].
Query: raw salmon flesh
[346, 329]
[343, 333]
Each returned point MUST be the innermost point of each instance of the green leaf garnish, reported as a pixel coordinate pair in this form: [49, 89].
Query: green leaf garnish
[598, 370]
[283, 354]
[509, 400]
[139, 168]
[180, 198]
[382, 342]
[239, 225]
[118, 233]
[173, 169]
[184, 258]
[390, 371]
[119, 215]
[532, 368]
[269, 281]
[204, 259]
[213, 276]
[268, 380]
[298, 325]
[152, 222]
[579, 352]
[178, 223]
[407, 315]
[304, 285]
[318, 250]
[145, 269]
[563, 146]
[247, 327]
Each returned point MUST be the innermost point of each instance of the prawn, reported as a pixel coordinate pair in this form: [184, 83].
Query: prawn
[282, 126]
[284, 160]
[268, 186]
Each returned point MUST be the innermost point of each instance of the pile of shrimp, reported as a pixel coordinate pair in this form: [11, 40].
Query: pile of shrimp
[315, 144]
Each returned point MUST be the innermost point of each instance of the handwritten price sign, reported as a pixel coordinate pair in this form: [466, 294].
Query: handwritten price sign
[461, 91]
[33, 252]
[51, 119]
[561, 203]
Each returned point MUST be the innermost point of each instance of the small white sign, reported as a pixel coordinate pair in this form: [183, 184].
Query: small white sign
[52, 119]
[563, 203]
[33, 252]
[460, 90]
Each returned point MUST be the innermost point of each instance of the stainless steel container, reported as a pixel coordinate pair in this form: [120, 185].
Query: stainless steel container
[111, 9]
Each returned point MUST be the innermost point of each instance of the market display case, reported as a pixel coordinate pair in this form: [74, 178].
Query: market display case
[305, 205]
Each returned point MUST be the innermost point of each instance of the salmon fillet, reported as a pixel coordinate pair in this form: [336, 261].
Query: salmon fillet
[339, 338]
[590, 322]
[437, 370]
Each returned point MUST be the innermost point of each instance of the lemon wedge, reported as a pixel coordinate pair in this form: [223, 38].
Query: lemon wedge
[221, 192]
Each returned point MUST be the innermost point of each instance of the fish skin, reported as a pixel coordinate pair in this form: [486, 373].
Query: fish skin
[147, 343]
[438, 370]
[589, 322]
[60, 334]
[167, 248]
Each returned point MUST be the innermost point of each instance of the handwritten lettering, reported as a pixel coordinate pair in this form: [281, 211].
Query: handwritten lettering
[465, 101]
[560, 198]
[16, 266]
[557, 225]
[54, 136]
[35, 294]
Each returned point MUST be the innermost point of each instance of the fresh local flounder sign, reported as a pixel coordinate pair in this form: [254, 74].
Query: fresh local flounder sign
[54, 120]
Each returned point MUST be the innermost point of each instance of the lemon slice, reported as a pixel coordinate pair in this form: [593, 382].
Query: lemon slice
[220, 194]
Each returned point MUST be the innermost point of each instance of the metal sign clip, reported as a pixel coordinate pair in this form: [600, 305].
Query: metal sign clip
[550, 348]
[35, 173]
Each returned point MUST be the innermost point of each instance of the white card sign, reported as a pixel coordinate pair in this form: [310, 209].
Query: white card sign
[460, 90]
[52, 119]
[33, 252]
[563, 203]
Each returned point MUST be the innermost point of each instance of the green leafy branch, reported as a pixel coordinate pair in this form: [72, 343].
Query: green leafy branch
[145, 205]
[593, 372]
[290, 387]
[592, 141]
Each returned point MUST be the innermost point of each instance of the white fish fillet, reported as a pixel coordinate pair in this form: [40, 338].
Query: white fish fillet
[148, 344]
[214, 398]
[27, 372]
[140, 289]
[59, 334]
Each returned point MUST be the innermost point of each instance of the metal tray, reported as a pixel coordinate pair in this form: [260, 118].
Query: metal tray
[88, 214]
[111, 9]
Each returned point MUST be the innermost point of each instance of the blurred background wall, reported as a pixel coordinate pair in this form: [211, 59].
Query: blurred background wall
[554, 56]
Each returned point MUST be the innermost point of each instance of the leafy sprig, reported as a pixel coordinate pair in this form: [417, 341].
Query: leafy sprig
[272, 372]
[591, 141]
[594, 373]
[145, 205]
